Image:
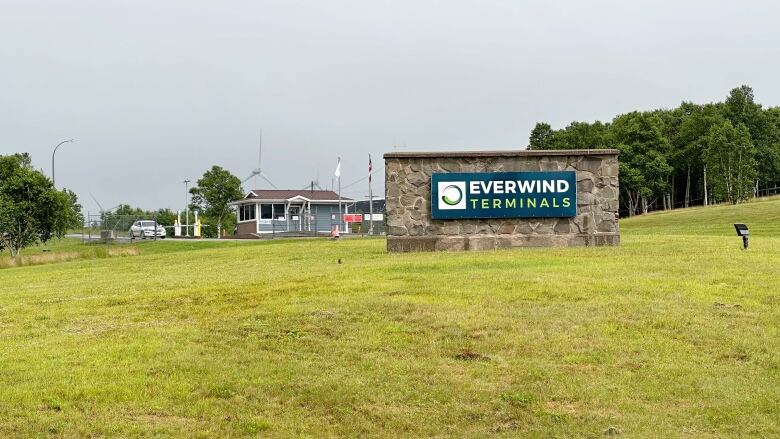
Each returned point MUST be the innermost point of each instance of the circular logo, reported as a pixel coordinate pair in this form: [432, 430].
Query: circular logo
[451, 195]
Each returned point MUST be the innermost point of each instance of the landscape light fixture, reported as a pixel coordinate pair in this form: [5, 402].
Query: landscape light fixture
[52, 158]
[742, 230]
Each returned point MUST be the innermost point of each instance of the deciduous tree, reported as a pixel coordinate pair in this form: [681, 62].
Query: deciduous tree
[31, 209]
[215, 190]
[644, 170]
[541, 136]
[730, 157]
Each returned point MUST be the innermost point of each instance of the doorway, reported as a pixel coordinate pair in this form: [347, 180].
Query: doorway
[295, 218]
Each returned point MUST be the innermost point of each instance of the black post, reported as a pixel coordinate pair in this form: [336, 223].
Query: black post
[744, 232]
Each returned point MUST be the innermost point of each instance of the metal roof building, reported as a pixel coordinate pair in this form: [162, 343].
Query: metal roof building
[289, 211]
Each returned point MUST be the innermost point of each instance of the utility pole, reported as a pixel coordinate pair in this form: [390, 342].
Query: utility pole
[187, 207]
[52, 158]
[341, 215]
[370, 197]
[338, 175]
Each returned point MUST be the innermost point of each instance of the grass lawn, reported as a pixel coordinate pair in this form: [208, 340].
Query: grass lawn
[676, 333]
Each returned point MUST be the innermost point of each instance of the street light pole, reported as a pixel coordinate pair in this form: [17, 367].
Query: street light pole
[187, 206]
[52, 158]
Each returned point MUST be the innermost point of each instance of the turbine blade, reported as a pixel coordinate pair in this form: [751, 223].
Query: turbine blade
[262, 175]
[250, 176]
[96, 201]
[260, 150]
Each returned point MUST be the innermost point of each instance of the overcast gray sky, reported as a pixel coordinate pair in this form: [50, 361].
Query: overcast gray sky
[157, 91]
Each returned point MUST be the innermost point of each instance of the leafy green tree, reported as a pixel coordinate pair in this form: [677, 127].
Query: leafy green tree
[690, 141]
[582, 135]
[730, 156]
[128, 210]
[644, 170]
[576, 135]
[70, 216]
[32, 210]
[166, 218]
[212, 195]
[541, 136]
[740, 108]
[768, 150]
[124, 215]
[670, 123]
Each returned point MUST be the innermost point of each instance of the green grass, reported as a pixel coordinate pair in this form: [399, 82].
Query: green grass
[672, 334]
[761, 215]
[61, 250]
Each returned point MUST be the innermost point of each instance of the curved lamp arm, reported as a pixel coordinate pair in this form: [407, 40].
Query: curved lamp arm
[52, 157]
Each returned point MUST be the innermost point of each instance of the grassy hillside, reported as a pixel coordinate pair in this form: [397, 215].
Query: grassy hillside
[668, 335]
[761, 215]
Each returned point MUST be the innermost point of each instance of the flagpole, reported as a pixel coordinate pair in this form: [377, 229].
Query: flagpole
[341, 216]
[370, 199]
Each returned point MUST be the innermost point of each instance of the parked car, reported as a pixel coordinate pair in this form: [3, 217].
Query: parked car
[146, 229]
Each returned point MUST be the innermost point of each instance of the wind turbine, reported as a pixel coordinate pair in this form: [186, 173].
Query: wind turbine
[315, 183]
[258, 171]
[101, 207]
[96, 202]
[103, 212]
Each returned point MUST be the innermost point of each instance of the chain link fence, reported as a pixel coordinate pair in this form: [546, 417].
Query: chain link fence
[364, 227]
[109, 226]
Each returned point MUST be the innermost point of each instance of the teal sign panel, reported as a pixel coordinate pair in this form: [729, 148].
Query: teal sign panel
[459, 195]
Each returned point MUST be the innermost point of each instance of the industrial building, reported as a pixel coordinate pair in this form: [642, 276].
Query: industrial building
[365, 207]
[290, 212]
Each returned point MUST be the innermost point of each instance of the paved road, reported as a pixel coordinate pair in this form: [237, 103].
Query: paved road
[126, 240]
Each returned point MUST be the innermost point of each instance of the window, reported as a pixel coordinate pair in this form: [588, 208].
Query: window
[279, 212]
[265, 212]
[246, 212]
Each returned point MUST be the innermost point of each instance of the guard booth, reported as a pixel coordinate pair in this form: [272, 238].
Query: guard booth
[304, 212]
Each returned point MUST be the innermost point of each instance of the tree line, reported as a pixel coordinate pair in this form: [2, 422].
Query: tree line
[695, 154]
[124, 215]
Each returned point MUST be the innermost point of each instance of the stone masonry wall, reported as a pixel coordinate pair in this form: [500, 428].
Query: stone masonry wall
[408, 196]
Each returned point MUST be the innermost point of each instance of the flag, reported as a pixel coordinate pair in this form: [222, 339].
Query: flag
[338, 169]
[370, 168]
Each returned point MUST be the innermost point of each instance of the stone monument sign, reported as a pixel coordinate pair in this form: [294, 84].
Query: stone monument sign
[485, 200]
